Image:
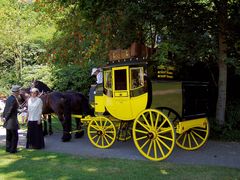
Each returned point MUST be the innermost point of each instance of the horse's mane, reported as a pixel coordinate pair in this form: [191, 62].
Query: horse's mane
[42, 87]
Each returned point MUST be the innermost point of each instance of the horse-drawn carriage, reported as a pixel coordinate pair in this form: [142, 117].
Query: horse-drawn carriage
[123, 110]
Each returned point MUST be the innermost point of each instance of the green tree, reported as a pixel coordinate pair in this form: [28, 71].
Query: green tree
[194, 30]
[23, 33]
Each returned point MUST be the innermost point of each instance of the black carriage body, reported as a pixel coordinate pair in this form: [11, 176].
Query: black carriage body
[188, 99]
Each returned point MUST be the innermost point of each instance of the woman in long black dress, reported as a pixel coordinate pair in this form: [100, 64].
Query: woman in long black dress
[35, 139]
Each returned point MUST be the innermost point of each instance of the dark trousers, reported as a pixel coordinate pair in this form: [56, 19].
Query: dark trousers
[11, 140]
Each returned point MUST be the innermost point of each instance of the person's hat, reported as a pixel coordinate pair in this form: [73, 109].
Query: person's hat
[15, 88]
[34, 90]
[93, 71]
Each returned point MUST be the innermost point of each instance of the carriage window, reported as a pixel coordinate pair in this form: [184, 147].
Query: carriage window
[137, 77]
[108, 79]
[120, 79]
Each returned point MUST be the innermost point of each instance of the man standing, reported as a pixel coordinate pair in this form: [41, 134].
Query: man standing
[11, 120]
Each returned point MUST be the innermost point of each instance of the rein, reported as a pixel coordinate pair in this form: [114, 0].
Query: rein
[24, 104]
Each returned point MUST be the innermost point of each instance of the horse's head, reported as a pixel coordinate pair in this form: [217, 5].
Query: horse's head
[42, 87]
[24, 95]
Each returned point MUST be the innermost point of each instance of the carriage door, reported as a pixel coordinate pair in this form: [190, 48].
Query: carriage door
[120, 104]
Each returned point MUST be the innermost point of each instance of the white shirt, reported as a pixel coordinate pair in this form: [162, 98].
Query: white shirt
[99, 78]
[35, 105]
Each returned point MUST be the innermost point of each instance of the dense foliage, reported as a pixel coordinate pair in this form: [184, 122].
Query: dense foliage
[59, 41]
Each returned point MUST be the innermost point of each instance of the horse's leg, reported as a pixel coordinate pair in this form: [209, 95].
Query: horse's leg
[45, 131]
[80, 133]
[66, 128]
[50, 124]
[67, 120]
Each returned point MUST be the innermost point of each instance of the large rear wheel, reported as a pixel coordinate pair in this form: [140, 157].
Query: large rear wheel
[101, 132]
[153, 135]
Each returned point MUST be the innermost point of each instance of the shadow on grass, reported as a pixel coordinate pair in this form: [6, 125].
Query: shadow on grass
[37, 164]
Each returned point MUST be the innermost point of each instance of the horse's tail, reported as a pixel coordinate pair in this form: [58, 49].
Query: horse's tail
[86, 107]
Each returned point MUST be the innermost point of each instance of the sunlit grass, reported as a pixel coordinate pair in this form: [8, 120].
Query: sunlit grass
[37, 164]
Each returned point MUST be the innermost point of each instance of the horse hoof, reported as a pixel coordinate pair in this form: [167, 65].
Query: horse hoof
[66, 138]
[45, 133]
[79, 134]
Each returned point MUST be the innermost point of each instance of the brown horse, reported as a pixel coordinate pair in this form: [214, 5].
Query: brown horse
[59, 104]
[77, 104]
[54, 102]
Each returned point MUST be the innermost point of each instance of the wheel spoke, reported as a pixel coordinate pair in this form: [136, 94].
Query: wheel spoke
[105, 123]
[165, 130]
[157, 119]
[101, 122]
[145, 119]
[111, 126]
[194, 138]
[169, 112]
[144, 144]
[198, 135]
[93, 132]
[94, 136]
[163, 143]
[95, 127]
[151, 119]
[162, 124]
[143, 137]
[98, 139]
[144, 126]
[106, 140]
[189, 141]
[179, 137]
[110, 132]
[140, 131]
[96, 123]
[102, 141]
[109, 136]
[167, 138]
[184, 139]
[149, 148]
[155, 149]
[198, 129]
[160, 147]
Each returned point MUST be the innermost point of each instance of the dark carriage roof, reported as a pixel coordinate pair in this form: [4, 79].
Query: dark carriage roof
[127, 62]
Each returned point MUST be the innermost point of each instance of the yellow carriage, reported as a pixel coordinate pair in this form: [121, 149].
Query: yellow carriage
[123, 110]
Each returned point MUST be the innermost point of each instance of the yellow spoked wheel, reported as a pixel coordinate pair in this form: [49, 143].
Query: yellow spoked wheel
[124, 131]
[153, 135]
[193, 138]
[101, 132]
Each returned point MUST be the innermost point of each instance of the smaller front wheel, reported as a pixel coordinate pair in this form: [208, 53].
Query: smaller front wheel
[101, 132]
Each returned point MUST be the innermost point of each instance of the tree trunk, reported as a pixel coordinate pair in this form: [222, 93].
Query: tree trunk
[222, 55]
[222, 89]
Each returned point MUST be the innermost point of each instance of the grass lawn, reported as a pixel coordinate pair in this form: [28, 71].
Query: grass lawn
[37, 164]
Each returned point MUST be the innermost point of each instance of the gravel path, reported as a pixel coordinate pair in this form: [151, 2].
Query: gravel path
[212, 153]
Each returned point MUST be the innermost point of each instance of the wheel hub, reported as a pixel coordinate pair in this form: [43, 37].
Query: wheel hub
[100, 133]
[152, 135]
